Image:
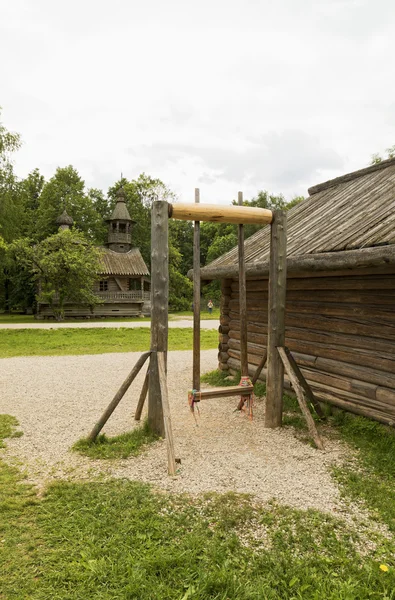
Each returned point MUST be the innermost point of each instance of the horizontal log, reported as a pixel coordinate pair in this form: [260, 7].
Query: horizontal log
[328, 337]
[379, 360]
[224, 319]
[382, 314]
[383, 256]
[322, 323]
[223, 329]
[224, 392]
[384, 415]
[367, 298]
[326, 365]
[222, 356]
[223, 366]
[219, 213]
[355, 282]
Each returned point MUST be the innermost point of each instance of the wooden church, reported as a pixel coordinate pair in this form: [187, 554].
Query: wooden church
[124, 284]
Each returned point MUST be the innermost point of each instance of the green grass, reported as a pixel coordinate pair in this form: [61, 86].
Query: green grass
[204, 314]
[7, 428]
[373, 481]
[58, 342]
[119, 446]
[7, 319]
[120, 540]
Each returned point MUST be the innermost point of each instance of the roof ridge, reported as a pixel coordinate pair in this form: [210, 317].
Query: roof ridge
[350, 176]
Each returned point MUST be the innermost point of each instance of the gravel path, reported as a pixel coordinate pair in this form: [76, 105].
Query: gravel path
[204, 324]
[58, 399]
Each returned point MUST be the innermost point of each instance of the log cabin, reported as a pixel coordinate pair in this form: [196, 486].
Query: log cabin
[340, 308]
[124, 284]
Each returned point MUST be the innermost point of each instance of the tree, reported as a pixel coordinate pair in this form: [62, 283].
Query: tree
[66, 190]
[64, 268]
[11, 209]
[295, 200]
[377, 158]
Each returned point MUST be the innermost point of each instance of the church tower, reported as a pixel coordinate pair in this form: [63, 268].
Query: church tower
[120, 226]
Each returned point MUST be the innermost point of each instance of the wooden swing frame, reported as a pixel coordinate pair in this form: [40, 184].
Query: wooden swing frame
[277, 355]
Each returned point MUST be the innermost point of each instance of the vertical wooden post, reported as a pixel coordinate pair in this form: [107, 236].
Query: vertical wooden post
[159, 309]
[196, 301]
[276, 322]
[242, 298]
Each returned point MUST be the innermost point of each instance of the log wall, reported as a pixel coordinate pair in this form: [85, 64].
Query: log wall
[341, 331]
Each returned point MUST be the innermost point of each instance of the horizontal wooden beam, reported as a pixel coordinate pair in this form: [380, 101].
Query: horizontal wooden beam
[309, 263]
[220, 214]
[224, 392]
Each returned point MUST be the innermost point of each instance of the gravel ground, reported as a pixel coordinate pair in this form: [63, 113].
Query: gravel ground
[58, 399]
[178, 322]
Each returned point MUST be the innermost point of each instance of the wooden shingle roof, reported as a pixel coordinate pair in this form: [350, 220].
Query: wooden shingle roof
[123, 263]
[352, 212]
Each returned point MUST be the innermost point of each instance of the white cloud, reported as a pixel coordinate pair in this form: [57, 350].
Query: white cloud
[227, 94]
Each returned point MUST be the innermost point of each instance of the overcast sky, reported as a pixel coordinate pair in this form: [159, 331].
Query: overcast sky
[224, 95]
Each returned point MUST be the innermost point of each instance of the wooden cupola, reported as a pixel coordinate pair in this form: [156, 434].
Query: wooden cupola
[120, 226]
[64, 221]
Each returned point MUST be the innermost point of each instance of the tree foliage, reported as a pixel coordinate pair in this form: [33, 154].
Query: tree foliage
[377, 158]
[63, 267]
[29, 208]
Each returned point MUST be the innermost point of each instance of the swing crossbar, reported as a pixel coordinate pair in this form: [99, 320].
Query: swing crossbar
[218, 213]
[223, 392]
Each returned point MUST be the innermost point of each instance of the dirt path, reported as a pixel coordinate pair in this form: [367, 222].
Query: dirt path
[58, 399]
[181, 322]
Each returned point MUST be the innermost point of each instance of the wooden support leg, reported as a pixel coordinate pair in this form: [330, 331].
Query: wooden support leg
[301, 398]
[171, 461]
[307, 389]
[118, 397]
[276, 322]
[259, 368]
[143, 395]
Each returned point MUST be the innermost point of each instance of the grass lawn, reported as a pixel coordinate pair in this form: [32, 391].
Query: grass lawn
[121, 540]
[57, 342]
[204, 314]
[118, 446]
[7, 319]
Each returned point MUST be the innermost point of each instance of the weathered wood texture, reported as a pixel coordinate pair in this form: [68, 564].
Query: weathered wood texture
[276, 320]
[223, 329]
[159, 309]
[242, 297]
[118, 397]
[340, 330]
[225, 392]
[171, 461]
[220, 213]
[196, 301]
[143, 395]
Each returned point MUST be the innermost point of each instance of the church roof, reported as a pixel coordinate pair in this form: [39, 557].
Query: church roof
[123, 263]
[64, 219]
[120, 212]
